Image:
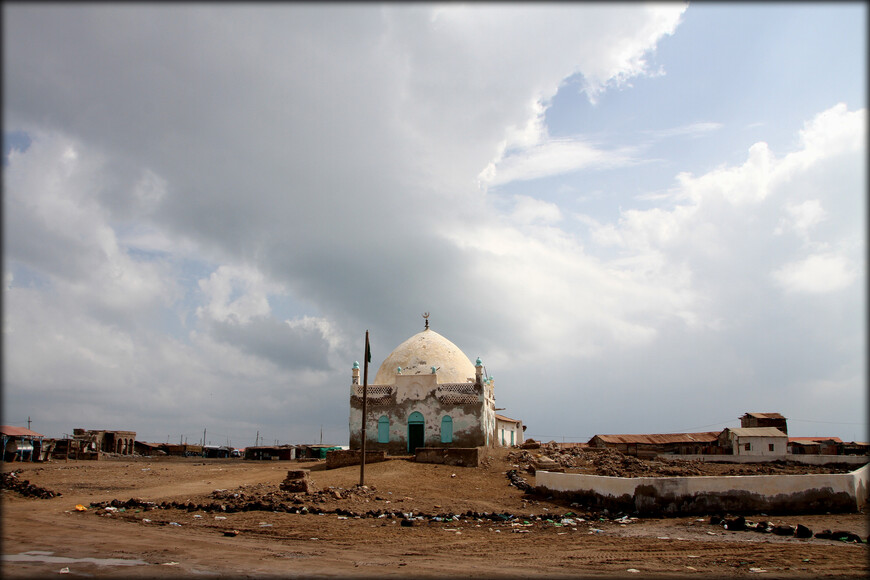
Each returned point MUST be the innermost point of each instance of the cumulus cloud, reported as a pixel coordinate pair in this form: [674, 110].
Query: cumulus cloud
[816, 274]
[208, 224]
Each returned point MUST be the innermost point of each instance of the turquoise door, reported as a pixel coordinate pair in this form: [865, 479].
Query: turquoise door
[384, 429]
[447, 429]
[416, 431]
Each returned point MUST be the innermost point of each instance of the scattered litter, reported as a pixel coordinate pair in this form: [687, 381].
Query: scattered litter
[81, 508]
[197, 516]
[174, 524]
[265, 525]
[313, 538]
[339, 517]
[169, 564]
[146, 521]
[711, 533]
[231, 533]
[220, 517]
[111, 509]
[691, 556]
[757, 570]
[633, 570]
[663, 538]
[64, 571]
[692, 568]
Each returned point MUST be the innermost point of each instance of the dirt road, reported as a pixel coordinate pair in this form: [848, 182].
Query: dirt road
[363, 532]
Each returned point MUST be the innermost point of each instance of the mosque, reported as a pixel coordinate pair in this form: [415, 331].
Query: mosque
[428, 394]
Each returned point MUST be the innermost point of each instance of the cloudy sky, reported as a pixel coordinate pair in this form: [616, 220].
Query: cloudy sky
[643, 218]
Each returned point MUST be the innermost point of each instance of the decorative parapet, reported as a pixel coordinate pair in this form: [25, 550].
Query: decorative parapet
[457, 394]
[376, 394]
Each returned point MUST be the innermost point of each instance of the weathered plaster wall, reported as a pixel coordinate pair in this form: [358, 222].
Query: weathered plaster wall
[759, 446]
[846, 492]
[463, 402]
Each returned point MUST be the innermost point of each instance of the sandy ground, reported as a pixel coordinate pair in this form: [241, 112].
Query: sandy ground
[43, 537]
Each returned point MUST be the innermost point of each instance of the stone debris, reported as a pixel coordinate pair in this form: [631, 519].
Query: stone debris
[297, 481]
[24, 487]
[610, 462]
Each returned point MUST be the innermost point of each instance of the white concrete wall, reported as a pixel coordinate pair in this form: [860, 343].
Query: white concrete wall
[856, 460]
[855, 484]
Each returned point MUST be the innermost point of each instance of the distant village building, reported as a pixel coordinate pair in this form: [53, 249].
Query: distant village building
[426, 393]
[764, 420]
[757, 441]
[121, 442]
[20, 443]
[508, 431]
[814, 445]
[650, 445]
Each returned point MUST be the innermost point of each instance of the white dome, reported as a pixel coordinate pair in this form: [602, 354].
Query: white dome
[420, 353]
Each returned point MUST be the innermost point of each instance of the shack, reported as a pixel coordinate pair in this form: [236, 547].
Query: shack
[749, 420]
[814, 445]
[650, 445]
[270, 452]
[20, 443]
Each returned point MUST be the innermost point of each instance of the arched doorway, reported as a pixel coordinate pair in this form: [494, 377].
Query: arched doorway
[446, 429]
[416, 431]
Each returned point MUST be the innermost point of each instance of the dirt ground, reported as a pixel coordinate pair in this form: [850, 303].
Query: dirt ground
[167, 522]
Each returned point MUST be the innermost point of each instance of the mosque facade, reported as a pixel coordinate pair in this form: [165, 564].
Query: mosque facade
[426, 393]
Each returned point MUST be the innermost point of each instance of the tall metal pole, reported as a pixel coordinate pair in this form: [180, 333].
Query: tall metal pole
[362, 461]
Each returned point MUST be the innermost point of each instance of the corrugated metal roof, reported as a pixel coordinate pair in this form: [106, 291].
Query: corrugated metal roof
[507, 419]
[814, 439]
[756, 431]
[661, 438]
[766, 415]
[18, 431]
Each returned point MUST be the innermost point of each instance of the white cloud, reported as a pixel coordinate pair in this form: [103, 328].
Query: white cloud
[554, 157]
[236, 294]
[529, 210]
[816, 274]
[801, 217]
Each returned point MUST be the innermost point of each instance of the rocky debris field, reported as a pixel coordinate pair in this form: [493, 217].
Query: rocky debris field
[610, 462]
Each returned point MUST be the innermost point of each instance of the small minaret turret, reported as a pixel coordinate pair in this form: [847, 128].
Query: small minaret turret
[478, 372]
[355, 380]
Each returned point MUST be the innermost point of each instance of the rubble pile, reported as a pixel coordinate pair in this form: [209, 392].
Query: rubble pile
[551, 457]
[24, 487]
[610, 462]
[741, 524]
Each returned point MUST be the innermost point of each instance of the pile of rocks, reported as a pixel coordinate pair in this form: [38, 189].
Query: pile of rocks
[297, 481]
[741, 524]
[24, 487]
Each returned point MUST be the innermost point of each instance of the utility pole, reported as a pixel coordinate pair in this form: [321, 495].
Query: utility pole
[28, 424]
[362, 459]
[203, 437]
[257, 439]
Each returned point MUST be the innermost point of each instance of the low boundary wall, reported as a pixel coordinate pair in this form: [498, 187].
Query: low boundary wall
[345, 457]
[853, 460]
[736, 494]
[459, 456]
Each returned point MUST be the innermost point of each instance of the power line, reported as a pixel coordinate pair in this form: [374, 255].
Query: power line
[827, 422]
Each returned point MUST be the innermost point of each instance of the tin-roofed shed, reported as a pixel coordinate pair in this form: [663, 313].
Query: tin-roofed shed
[20, 443]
